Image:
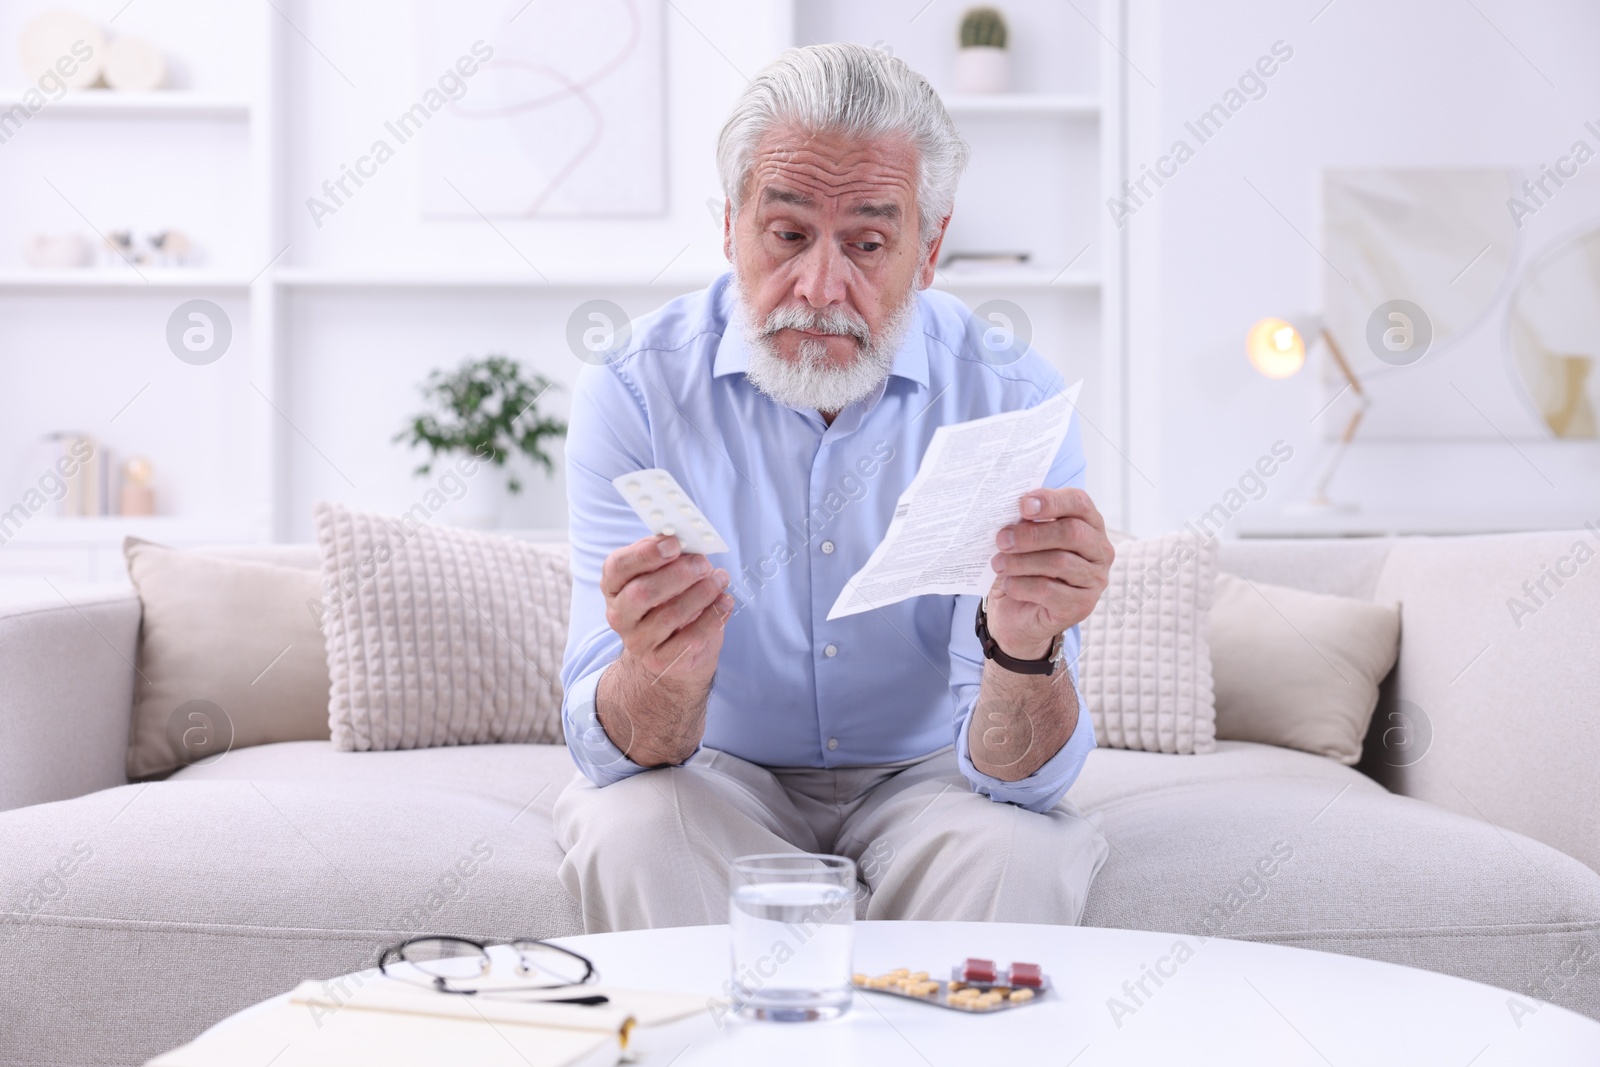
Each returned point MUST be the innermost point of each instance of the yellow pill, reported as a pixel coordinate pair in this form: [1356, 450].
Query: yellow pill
[956, 987]
[859, 979]
[1020, 996]
[899, 972]
[920, 976]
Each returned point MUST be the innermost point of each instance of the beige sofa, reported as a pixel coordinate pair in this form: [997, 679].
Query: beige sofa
[133, 916]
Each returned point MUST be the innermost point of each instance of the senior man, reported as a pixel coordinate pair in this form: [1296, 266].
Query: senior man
[712, 708]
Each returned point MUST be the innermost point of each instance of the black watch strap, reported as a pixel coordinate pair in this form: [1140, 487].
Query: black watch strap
[991, 649]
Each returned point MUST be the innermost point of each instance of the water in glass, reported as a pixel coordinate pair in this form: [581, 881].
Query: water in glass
[792, 919]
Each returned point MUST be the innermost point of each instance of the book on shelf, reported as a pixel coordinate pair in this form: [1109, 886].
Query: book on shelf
[74, 472]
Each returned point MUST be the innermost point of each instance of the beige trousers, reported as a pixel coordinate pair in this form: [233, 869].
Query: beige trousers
[655, 849]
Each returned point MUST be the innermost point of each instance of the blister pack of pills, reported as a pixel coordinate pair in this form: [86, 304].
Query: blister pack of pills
[975, 986]
[666, 509]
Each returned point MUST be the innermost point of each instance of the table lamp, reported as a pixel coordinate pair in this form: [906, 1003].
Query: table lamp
[1277, 348]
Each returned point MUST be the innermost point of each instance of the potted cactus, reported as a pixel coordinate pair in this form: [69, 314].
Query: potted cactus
[982, 64]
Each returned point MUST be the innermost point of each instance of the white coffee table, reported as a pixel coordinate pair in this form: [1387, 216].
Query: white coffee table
[1231, 1002]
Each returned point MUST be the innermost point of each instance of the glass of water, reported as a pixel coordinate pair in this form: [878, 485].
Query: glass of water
[793, 916]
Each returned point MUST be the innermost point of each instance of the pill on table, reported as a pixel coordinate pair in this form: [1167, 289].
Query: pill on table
[920, 976]
[1027, 974]
[976, 970]
[899, 972]
[1021, 996]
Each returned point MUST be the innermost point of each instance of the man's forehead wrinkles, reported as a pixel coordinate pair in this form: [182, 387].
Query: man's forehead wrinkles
[801, 186]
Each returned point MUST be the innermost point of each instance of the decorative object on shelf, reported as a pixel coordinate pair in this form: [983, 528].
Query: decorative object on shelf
[975, 262]
[163, 248]
[983, 64]
[134, 65]
[138, 496]
[1277, 348]
[64, 47]
[485, 410]
[170, 248]
[57, 251]
[119, 249]
[83, 488]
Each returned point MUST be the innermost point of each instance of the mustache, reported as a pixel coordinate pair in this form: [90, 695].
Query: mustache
[834, 320]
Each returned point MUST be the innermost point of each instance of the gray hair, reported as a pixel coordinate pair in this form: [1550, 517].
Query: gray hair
[853, 90]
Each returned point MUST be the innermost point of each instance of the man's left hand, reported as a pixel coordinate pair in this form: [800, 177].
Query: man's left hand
[1050, 571]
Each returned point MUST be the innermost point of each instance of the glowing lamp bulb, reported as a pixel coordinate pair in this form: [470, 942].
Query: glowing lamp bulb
[1275, 348]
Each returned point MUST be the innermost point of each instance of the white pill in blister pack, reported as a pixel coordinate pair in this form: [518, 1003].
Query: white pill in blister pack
[666, 509]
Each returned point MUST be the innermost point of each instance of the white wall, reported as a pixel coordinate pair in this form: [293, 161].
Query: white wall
[1371, 83]
[352, 358]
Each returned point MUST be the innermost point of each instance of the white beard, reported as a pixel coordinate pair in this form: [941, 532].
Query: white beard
[807, 381]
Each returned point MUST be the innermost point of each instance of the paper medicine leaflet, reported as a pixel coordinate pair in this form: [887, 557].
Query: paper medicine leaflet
[970, 485]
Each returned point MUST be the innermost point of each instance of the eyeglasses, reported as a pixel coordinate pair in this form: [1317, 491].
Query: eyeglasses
[466, 967]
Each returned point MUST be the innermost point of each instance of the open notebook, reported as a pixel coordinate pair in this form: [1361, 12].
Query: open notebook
[335, 1024]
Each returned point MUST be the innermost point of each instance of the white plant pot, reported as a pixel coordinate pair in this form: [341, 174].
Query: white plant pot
[982, 69]
[482, 506]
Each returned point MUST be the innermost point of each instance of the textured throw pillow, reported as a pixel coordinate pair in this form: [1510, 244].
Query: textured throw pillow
[228, 657]
[1297, 669]
[439, 636]
[1145, 669]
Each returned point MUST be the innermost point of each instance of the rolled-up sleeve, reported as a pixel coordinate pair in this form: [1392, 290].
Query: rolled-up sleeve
[1042, 789]
[607, 436]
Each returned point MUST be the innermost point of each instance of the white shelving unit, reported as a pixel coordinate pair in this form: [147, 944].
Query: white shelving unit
[291, 421]
[120, 278]
[1056, 104]
[106, 103]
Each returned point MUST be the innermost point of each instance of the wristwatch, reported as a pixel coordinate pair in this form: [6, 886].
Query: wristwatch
[991, 650]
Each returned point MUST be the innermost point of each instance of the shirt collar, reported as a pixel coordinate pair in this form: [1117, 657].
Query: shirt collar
[733, 352]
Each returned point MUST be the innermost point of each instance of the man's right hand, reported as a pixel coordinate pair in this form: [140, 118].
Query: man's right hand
[669, 608]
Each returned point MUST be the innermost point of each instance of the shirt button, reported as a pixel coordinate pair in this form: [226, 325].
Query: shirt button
[827, 548]
[830, 650]
[833, 743]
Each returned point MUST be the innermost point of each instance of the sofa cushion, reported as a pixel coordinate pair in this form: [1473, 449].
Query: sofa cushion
[171, 905]
[514, 774]
[1145, 668]
[1299, 669]
[1111, 775]
[1332, 863]
[229, 656]
[438, 636]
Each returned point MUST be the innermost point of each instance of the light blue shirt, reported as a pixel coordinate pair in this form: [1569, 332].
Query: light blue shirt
[802, 505]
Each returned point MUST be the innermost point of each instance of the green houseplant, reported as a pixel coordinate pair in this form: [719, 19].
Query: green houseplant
[982, 64]
[486, 408]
